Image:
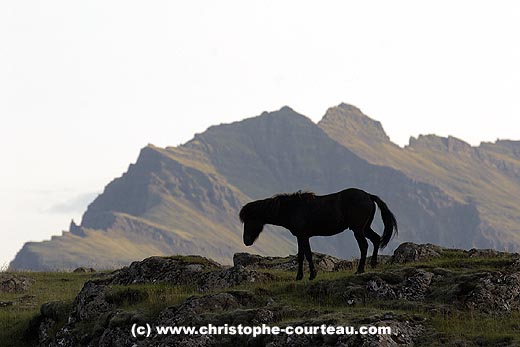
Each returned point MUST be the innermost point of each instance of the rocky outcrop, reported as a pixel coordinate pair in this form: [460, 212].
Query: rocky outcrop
[404, 333]
[14, 283]
[195, 271]
[410, 252]
[231, 277]
[99, 315]
[322, 262]
[495, 292]
[175, 270]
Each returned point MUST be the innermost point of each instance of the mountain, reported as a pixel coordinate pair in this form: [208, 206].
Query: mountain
[185, 199]
[487, 176]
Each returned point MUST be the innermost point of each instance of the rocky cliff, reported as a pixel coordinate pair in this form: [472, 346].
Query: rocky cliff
[185, 199]
[486, 176]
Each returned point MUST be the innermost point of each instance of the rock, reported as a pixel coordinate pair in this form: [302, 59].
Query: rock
[413, 288]
[45, 337]
[322, 262]
[195, 340]
[411, 252]
[84, 269]
[515, 266]
[231, 277]
[404, 333]
[484, 253]
[189, 312]
[200, 272]
[91, 308]
[175, 270]
[6, 303]
[55, 310]
[117, 336]
[416, 286]
[14, 283]
[90, 303]
[495, 293]
[379, 289]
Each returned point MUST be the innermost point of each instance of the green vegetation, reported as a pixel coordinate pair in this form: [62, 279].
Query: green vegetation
[445, 323]
[15, 320]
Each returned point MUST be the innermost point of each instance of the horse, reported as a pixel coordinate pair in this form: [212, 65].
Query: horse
[306, 214]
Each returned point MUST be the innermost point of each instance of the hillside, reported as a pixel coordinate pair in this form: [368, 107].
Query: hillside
[185, 199]
[487, 176]
[427, 295]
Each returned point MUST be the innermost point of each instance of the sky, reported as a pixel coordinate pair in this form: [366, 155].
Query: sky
[84, 85]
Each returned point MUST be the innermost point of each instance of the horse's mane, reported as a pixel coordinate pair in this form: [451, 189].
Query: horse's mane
[299, 195]
[260, 209]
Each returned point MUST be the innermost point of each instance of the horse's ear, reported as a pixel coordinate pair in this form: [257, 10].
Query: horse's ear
[243, 213]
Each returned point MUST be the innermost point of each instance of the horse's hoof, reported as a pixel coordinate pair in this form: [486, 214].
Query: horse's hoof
[373, 265]
[359, 272]
[299, 276]
[312, 276]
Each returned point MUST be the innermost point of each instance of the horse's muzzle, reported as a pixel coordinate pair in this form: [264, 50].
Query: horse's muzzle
[248, 242]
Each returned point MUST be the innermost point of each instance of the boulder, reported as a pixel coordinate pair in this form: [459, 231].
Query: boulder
[411, 252]
[495, 292]
[200, 272]
[90, 303]
[416, 286]
[14, 283]
[82, 269]
[178, 270]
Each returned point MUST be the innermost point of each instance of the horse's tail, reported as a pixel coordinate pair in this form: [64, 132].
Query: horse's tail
[388, 220]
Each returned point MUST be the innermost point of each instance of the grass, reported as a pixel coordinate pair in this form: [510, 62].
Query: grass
[49, 286]
[445, 324]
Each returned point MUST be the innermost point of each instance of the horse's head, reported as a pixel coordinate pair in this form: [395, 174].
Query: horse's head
[252, 230]
[253, 216]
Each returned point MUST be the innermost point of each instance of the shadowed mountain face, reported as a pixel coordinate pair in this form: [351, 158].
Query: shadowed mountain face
[185, 199]
[487, 176]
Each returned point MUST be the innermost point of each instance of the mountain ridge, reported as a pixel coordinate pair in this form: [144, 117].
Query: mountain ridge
[185, 199]
[488, 174]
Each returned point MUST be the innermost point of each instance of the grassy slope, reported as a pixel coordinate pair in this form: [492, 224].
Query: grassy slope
[445, 324]
[458, 173]
[49, 286]
[215, 230]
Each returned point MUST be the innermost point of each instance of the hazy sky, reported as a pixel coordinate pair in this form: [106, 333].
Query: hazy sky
[85, 84]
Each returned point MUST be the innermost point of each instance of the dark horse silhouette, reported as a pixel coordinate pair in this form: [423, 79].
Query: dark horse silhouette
[305, 214]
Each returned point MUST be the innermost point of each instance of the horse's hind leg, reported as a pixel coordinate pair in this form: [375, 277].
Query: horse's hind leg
[308, 254]
[363, 247]
[376, 240]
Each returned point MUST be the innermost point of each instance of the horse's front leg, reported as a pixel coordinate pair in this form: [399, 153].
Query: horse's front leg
[299, 275]
[308, 254]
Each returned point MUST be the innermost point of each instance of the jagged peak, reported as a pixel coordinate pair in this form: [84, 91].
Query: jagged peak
[350, 120]
[510, 144]
[446, 144]
[349, 107]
